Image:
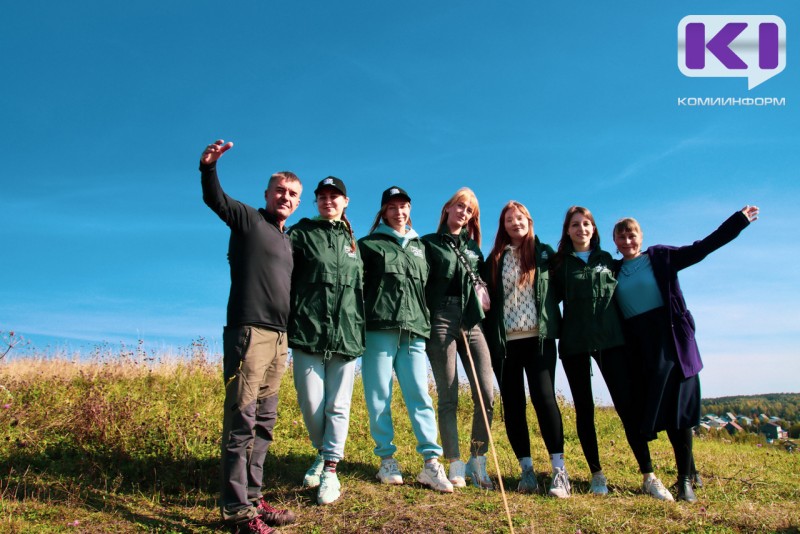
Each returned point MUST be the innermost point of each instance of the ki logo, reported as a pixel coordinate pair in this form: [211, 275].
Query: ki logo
[732, 46]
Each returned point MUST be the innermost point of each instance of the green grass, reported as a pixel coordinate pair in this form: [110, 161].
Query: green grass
[125, 445]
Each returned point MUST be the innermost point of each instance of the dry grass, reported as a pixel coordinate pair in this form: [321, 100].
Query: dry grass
[130, 444]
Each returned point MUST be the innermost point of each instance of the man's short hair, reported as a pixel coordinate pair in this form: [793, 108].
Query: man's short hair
[283, 175]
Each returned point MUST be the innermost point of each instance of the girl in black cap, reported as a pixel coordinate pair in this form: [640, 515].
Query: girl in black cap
[326, 329]
[395, 271]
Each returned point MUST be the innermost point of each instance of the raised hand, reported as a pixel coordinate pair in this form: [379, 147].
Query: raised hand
[751, 212]
[213, 151]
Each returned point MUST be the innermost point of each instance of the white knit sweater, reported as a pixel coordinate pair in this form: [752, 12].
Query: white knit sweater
[519, 310]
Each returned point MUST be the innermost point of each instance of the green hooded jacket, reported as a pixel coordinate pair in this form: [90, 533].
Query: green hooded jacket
[444, 265]
[395, 272]
[327, 314]
[591, 318]
[548, 313]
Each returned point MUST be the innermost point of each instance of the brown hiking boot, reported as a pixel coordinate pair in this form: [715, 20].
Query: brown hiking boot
[254, 526]
[272, 516]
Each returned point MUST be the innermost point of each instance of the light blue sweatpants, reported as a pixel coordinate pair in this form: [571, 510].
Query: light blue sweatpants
[324, 390]
[403, 353]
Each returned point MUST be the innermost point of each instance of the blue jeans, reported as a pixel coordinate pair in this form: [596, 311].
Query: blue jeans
[401, 351]
[444, 346]
[254, 360]
[324, 390]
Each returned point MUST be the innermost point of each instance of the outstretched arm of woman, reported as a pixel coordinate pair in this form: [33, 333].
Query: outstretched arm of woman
[682, 257]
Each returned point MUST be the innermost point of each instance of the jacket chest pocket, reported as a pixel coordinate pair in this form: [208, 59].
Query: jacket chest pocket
[405, 265]
[603, 282]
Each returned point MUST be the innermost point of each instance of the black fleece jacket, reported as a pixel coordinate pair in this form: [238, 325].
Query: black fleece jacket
[260, 257]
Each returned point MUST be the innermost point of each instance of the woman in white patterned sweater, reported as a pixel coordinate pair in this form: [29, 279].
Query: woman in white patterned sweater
[521, 329]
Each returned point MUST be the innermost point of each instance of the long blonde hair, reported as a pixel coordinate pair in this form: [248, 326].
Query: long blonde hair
[466, 195]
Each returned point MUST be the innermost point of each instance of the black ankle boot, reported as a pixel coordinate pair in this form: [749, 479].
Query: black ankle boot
[697, 482]
[685, 491]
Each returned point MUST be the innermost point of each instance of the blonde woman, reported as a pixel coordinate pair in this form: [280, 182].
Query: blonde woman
[456, 314]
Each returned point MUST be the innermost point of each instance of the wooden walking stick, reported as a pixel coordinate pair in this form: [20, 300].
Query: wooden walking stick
[488, 429]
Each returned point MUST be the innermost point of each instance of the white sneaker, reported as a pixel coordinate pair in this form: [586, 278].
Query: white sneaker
[311, 480]
[655, 488]
[389, 473]
[559, 485]
[476, 470]
[432, 475]
[329, 488]
[599, 484]
[456, 474]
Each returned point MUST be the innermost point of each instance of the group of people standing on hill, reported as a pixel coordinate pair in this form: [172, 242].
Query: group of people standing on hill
[402, 302]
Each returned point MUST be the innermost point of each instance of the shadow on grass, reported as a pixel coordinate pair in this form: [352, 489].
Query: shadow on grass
[148, 491]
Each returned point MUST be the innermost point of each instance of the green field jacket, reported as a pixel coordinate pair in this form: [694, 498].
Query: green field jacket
[394, 282]
[591, 318]
[327, 313]
[444, 265]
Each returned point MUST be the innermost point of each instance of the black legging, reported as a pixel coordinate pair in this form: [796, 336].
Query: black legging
[681, 440]
[523, 360]
[614, 366]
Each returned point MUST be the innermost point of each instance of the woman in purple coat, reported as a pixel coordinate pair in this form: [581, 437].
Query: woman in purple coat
[659, 333]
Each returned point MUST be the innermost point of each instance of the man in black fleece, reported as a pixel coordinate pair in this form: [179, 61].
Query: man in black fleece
[254, 340]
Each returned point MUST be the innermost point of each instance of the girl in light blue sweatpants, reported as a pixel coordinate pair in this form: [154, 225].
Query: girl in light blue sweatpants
[403, 353]
[398, 323]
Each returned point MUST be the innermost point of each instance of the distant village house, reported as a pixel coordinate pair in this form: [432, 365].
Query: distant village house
[773, 431]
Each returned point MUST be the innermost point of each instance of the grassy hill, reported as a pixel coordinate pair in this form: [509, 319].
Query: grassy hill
[125, 445]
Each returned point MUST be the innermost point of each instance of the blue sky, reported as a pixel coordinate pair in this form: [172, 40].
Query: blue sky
[106, 108]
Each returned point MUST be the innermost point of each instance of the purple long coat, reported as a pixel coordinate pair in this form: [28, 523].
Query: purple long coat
[666, 262]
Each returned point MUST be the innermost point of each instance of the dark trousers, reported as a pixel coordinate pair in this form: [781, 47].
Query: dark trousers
[254, 362]
[614, 366]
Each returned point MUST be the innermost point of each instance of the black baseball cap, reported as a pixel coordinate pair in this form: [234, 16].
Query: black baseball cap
[392, 192]
[334, 182]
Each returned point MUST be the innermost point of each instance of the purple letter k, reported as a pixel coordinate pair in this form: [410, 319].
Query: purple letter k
[718, 45]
